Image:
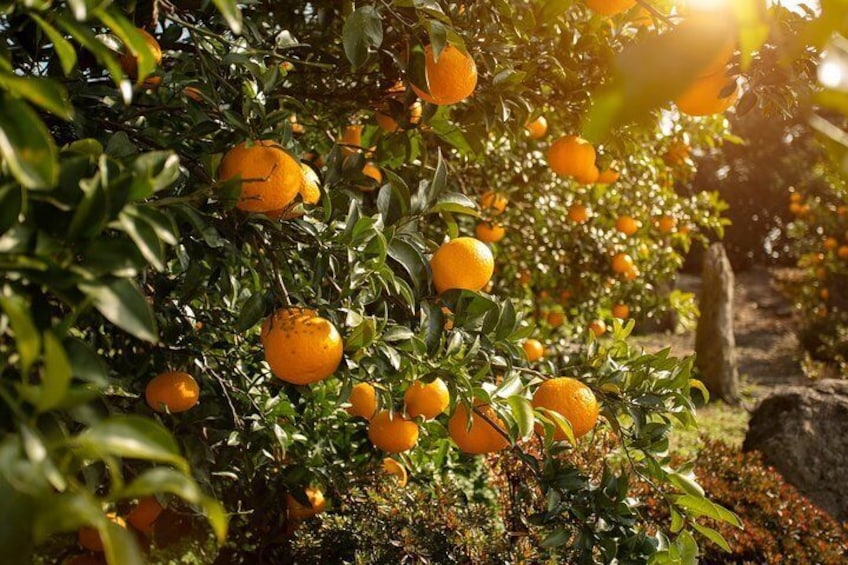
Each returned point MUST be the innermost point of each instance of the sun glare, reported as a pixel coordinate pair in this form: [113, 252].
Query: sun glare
[832, 73]
[708, 5]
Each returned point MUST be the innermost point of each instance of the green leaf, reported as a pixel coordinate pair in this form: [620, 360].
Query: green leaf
[67, 512]
[131, 436]
[63, 48]
[11, 204]
[145, 238]
[120, 545]
[455, 203]
[252, 312]
[712, 535]
[522, 411]
[86, 364]
[122, 303]
[26, 145]
[700, 506]
[553, 9]
[411, 259]
[232, 15]
[363, 31]
[556, 538]
[161, 480]
[57, 373]
[43, 92]
[133, 41]
[27, 337]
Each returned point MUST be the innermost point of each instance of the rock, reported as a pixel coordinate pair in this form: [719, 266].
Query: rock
[802, 431]
[715, 342]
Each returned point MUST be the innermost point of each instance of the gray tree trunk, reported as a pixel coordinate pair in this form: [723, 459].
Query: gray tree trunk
[715, 343]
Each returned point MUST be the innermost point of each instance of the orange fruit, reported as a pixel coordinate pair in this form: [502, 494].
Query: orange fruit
[300, 346]
[578, 213]
[351, 140]
[821, 273]
[395, 468]
[795, 197]
[537, 128]
[145, 514]
[824, 293]
[666, 224]
[270, 177]
[572, 156]
[524, 277]
[842, 210]
[299, 511]
[556, 318]
[448, 318]
[598, 327]
[89, 537]
[464, 263]
[451, 79]
[494, 203]
[565, 295]
[842, 252]
[622, 263]
[174, 391]
[796, 208]
[426, 399]
[390, 125]
[489, 233]
[363, 401]
[677, 153]
[621, 311]
[129, 62]
[572, 400]
[296, 127]
[712, 28]
[831, 243]
[610, 7]
[533, 349]
[708, 95]
[481, 437]
[310, 193]
[627, 225]
[608, 176]
[592, 176]
[372, 171]
[392, 432]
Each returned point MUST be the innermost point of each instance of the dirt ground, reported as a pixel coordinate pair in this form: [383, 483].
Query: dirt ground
[768, 352]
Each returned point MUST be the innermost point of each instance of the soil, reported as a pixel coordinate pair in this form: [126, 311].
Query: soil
[765, 324]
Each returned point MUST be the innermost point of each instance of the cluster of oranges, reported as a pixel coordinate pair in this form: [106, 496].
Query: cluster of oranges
[141, 517]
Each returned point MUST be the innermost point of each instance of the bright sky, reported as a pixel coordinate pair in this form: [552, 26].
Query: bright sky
[793, 4]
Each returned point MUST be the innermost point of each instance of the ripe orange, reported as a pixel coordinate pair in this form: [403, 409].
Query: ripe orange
[390, 125]
[598, 327]
[351, 140]
[145, 514]
[270, 177]
[448, 318]
[482, 437]
[451, 79]
[608, 176]
[667, 224]
[842, 252]
[372, 171]
[537, 128]
[795, 197]
[622, 263]
[363, 401]
[392, 432]
[173, 391]
[572, 156]
[129, 62]
[300, 346]
[494, 203]
[464, 263]
[533, 349]
[299, 511]
[395, 468]
[556, 318]
[621, 311]
[573, 400]
[426, 399]
[591, 176]
[89, 537]
[610, 7]
[310, 193]
[578, 213]
[831, 243]
[489, 233]
[796, 208]
[677, 154]
[627, 225]
[821, 273]
[824, 293]
[842, 210]
[708, 95]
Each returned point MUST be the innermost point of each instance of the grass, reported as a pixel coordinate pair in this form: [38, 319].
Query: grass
[716, 420]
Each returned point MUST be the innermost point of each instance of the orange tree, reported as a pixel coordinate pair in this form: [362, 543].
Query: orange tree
[215, 231]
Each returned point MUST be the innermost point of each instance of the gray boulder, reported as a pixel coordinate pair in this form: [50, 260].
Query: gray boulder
[802, 431]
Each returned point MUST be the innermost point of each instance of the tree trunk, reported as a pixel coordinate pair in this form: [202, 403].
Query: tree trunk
[715, 343]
